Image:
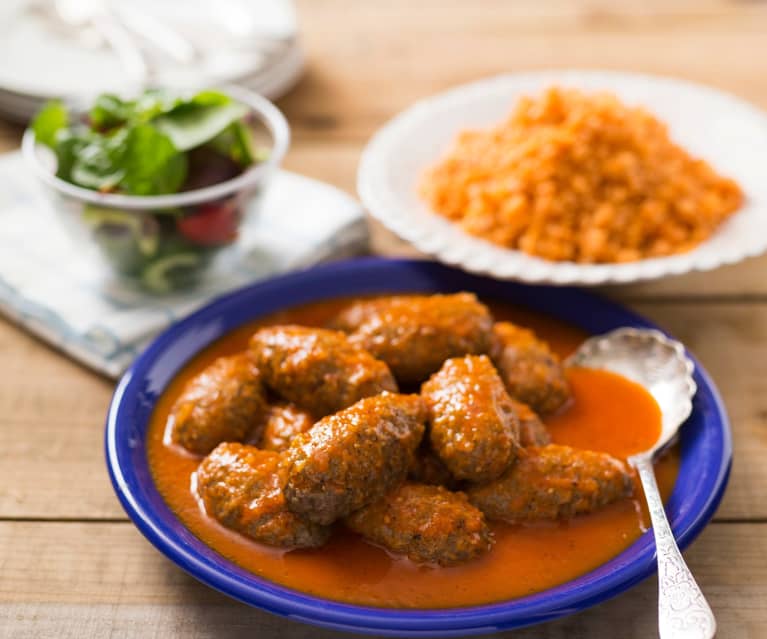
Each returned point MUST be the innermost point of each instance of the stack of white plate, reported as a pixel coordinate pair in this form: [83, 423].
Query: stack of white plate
[76, 49]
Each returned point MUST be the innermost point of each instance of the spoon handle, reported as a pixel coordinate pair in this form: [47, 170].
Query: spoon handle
[683, 612]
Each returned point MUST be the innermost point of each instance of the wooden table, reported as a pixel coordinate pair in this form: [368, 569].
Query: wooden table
[72, 565]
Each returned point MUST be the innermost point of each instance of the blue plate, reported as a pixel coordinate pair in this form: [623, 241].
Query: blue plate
[706, 450]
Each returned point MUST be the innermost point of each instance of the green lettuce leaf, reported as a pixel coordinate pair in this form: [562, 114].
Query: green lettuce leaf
[237, 143]
[153, 103]
[51, 119]
[140, 147]
[98, 161]
[138, 160]
[151, 162]
[69, 143]
[110, 111]
[192, 124]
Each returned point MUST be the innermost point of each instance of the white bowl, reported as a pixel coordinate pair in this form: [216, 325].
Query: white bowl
[727, 132]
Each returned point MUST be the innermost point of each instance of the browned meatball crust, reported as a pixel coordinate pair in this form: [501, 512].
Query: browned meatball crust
[429, 524]
[553, 482]
[222, 403]
[531, 372]
[318, 369]
[414, 334]
[282, 423]
[427, 468]
[532, 431]
[473, 426]
[353, 457]
[242, 488]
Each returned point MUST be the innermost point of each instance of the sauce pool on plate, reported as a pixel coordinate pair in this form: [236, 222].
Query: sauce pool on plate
[608, 413]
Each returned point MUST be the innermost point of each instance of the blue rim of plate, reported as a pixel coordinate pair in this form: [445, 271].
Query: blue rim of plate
[706, 450]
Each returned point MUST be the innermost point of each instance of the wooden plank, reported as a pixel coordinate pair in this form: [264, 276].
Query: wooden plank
[356, 81]
[335, 102]
[51, 423]
[70, 580]
[336, 99]
[100, 579]
[336, 163]
[335, 108]
[51, 430]
[725, 337]
[739, 281]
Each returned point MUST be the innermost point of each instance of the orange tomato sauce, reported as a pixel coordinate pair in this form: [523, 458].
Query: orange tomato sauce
[608, 413]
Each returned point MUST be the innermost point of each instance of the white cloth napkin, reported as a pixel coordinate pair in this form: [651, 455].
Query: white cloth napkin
[48, 287]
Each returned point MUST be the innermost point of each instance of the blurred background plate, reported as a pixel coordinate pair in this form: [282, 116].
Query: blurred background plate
[727, 132]
[79, 48]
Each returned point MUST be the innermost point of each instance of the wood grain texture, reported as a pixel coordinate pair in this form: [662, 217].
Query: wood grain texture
[747, 280]
[88, 576]
[393, 53]
[729, 339]
[83, 587]
[53, 424]
[356, 82]
[380, 57]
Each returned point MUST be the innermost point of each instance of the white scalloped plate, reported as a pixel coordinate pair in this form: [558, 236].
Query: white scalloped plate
[727, 132]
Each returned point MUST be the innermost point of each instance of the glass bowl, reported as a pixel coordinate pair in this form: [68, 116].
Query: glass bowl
[163, 243]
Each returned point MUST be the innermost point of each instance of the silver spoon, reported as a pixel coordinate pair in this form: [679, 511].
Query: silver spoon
[658, 363]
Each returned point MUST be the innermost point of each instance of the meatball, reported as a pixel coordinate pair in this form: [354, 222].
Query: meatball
[224, 402]
[531, 372]
[282, 423]
[532, 432]
[553, 482]
[353, 457]
[429, 524]
[318, 369]
[242, 488]
[427, 468]
[473, 426]
[414, 334]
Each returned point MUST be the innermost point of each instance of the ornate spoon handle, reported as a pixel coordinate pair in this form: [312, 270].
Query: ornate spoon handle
[683, 612]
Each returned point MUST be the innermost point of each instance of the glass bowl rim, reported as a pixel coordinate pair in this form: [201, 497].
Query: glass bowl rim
[269, 115]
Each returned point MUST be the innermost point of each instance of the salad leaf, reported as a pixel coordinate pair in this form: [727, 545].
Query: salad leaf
[146, 146]
[110, 111]
[128, 239]
[209, 97]
[98, 164]
[140, 160]
[153, 103]
[237, 143]
[177, 270]
[53, 118]
[151, 162]
[192, 124]
[69, 143]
